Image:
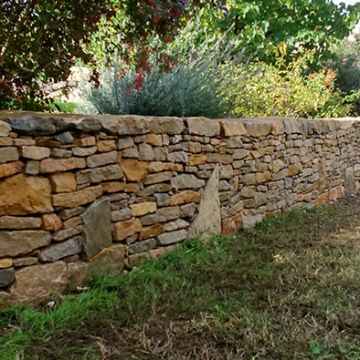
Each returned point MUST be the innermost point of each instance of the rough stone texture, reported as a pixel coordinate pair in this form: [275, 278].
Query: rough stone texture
[63, 182]
[34, 197]
[172, 237]
[51, 222]
[125, 229]
[35, 152]
[186, 181]
[203, 126]
[97, 221]
[61, 250]
[134, 170]
[18, 223]
[185, 197]
[6, 263]
[143, 208]
[110, 260]
[157, 177]
[208, 220]
[11, 169]
[36, 284]
[5, 129]
[8, 154]
[7, 277]
[102, 159]
[98, 175]
[57, 165]
[14, 243]
[78, 198]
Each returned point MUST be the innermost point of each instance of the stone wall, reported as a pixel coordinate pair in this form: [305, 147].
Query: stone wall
[80, 194]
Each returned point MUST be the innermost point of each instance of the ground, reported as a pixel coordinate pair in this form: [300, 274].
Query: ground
[288, 289]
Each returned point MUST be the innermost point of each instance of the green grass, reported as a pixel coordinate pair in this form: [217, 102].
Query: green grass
[287, 289]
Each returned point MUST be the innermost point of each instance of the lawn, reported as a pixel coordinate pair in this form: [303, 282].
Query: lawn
[287, 289]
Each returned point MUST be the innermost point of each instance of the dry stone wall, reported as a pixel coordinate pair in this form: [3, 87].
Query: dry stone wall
[80, 194]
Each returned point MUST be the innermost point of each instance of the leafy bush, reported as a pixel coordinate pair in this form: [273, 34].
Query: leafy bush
[187, 89]
[278, 90]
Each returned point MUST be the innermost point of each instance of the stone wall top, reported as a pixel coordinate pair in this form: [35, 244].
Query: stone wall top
[44, 124]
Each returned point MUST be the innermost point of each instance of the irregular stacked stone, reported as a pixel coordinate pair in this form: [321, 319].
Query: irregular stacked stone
[80, 194]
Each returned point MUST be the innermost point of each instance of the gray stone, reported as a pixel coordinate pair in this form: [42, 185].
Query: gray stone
[172, 237]
[160, 188]
[84, 151]
[97, 220]
[178, 157]
[142, 246]
[102, 159]
[32, 167]
[146, 152]
[61, 153]
[122, 214]
[66, 233]
[162, 199]
[187, 181]
[158, 178]
[64, 138]
[86, 125]
[162, 215]
[131, 152]
[188, 210]
[176, 225]
[349, 181]
[126, 142]
[7, 277]
[34, 125]
[61, 250]
[69, 213]
[98, 175]
[8, 154]
[208, 220]
[14, 243]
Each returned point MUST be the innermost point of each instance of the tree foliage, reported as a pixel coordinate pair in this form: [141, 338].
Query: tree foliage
[262, 25]
[40, 40]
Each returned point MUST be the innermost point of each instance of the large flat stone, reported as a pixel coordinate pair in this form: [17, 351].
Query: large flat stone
[97, 221]
[36, 284]
[14, 243]
[20, 195]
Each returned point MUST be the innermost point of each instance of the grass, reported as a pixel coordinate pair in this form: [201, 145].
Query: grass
[287, 289]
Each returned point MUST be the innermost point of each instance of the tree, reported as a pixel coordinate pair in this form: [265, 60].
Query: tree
[299, 25]
[40, 40]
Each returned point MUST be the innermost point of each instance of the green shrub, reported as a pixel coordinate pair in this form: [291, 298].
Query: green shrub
[278, 90]
[191, 89]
